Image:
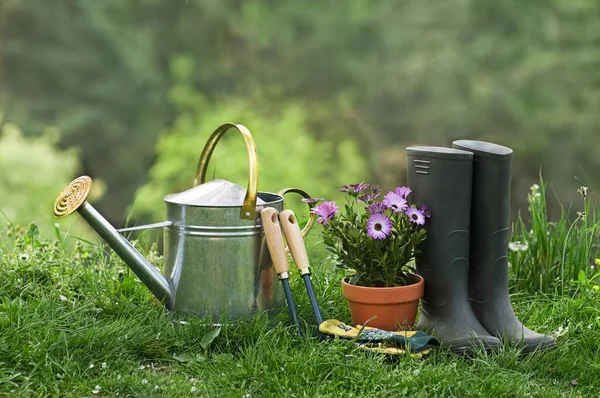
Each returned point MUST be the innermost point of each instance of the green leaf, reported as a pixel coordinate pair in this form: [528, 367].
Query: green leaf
[581, 275]
[209, 337]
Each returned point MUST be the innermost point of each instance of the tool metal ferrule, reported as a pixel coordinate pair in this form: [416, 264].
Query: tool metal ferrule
[283, 275]
[304, 271]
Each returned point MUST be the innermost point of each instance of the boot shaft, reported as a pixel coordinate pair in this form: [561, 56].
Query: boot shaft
[441, 179]
[490, 201]
[490, 219]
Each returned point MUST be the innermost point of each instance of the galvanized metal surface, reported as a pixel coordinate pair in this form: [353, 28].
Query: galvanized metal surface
[215, 193]
[218, 263]
[149, 275]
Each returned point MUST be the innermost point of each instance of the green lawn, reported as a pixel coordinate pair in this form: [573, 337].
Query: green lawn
[77, 324]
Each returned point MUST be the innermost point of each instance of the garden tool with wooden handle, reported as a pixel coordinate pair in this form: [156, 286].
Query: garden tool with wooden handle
[298, 251]
[274, 237]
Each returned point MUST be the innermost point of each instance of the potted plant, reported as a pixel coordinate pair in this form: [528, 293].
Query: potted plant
[375, 241]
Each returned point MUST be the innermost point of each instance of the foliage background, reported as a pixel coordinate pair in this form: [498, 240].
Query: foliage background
[333, 92]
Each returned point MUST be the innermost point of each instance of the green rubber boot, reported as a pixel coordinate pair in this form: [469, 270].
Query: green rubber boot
[441, 179]
[490, 220]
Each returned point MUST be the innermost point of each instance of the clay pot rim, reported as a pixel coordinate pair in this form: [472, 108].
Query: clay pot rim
[384, 295]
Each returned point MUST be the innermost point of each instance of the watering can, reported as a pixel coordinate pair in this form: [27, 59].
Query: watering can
[216, 261]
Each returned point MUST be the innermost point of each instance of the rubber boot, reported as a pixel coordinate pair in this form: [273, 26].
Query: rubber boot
[441, 179]
[490, 234]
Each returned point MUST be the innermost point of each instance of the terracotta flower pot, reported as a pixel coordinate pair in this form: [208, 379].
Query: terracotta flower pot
[395, 307]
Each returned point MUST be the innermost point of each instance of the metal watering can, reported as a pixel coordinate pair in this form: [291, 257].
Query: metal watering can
[216, 261]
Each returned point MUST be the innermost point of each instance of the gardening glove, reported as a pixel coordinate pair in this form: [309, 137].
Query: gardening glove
[378, 340]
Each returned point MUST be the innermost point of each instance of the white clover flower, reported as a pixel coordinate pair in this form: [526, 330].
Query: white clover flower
[144, 381]
[193, 389]
[103, 365]
[63, 298]
[91, 366]
[96, 390]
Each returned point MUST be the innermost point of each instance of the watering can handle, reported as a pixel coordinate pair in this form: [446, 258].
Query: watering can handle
[249, 205]
[312, 217]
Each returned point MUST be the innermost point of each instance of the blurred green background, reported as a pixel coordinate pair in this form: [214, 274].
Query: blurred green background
[128, 92]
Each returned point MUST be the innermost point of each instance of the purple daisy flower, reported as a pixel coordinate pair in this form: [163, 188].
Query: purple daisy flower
[379, 226]
[358, 188]
[326, 211]
[354, 188]
[368, 198]
[377, 207]
[395, 202]
[403, 192]
[376, 189]
[415, 215]
[426, 212]
[312, 200]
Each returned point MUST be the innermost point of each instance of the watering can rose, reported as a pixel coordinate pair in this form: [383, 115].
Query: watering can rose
[375, 240]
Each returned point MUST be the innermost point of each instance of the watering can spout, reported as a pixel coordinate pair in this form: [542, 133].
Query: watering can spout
[73, 198]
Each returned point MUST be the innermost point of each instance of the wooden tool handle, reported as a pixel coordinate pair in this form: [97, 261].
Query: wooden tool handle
[270, 221]
[291, 229]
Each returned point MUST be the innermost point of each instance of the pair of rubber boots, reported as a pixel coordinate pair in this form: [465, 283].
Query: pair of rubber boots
[464, 259]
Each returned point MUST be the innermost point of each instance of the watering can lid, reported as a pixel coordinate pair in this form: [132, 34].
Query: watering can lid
[215, 193]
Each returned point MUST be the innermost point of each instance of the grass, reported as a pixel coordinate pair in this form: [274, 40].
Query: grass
[550, 254]
[77, 324]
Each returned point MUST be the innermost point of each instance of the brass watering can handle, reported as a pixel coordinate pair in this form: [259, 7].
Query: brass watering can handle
[249, 205]
[312, 217]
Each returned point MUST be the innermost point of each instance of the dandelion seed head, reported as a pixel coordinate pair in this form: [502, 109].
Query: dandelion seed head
[518, 246]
